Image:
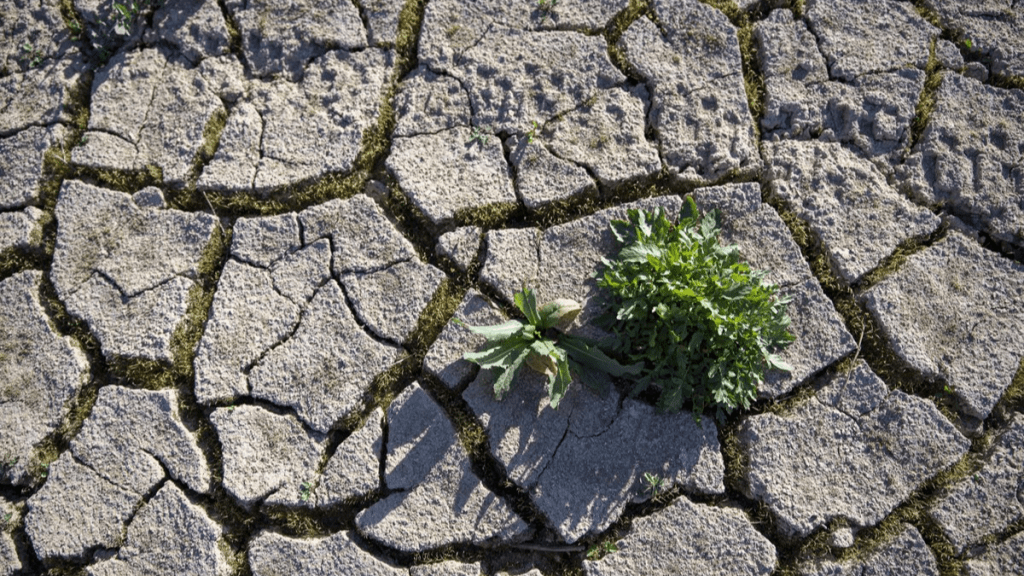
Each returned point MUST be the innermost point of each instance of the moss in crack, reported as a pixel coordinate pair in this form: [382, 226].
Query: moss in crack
[753, 82]
[884, 362]
[798, 8]
[79, 408]
[926, 12]
[929, 94]
[1011, 402]
[435, 317]
[899, 256]
[489, 216]
[1007, 82]
[211, 139]
[617, 27]
[125, 181]
[154, 375]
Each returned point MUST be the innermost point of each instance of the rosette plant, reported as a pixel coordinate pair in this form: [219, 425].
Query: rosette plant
[542, 344]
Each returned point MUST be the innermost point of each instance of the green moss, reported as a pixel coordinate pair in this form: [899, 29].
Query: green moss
[1007, 82]
[899, 256]
[875, 349]
[929, 96]
[617, 27]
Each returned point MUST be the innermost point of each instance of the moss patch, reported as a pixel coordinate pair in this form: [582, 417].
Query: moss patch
[929, 97]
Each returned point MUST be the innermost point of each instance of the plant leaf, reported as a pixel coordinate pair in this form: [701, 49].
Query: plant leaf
[497, 354]
[592, 357]
[496, 332]
[504, 380]
[527, 304]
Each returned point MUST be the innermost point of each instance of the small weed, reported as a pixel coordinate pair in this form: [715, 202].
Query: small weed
[124, 16]
[653, 484]
[8, 462]
[598, 550]
[306, 491]
[968, 43]
[75, 28]
[546, 8]
[479, 135]
[541, 345]
[33, 56]
[532, 133]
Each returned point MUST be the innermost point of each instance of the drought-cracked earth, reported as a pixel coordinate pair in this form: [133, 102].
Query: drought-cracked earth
[234, 235]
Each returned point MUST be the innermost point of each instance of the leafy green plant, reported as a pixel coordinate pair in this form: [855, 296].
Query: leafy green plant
[703, 325]
[541, 344]
[598, 550]
[33, 56]
[532, 133]
[479, 135]
[306, 491]
[653, 484]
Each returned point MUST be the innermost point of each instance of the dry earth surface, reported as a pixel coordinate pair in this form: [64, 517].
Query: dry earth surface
[234, 233]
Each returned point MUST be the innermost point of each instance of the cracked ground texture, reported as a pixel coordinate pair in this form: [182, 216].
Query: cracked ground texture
[234, 236]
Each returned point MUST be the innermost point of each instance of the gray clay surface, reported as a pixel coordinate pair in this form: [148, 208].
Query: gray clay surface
[241, 242]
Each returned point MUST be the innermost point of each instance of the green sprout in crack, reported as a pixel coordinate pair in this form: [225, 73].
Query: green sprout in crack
[480, 136]
[968, 43]
[532, 133]
[75, 28]
[653, 484]
[546, 8]
[598, 550]
[542, 344]
[33, 56]
[306, 491]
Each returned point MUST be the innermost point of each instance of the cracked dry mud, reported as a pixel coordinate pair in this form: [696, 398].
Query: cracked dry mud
[235, 236]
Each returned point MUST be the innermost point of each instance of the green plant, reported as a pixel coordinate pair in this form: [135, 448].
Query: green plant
[542, 345]
[33, 56]
[598, 550]
[532, 133]
[483, 137]
[546, 8]
[703, 325]
[75, 28]
[653, 483]
[306, 491]
[968, 43]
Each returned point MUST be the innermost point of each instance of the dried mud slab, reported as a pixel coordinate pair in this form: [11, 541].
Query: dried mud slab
[41, 372]
[969, 159]
[698, 103]
[689, 538]
[955, 312]
[432, 477]
[871, 112]
[168, 536]
[992, 499]
[855, 451]
[126, 264]
[132, 441]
